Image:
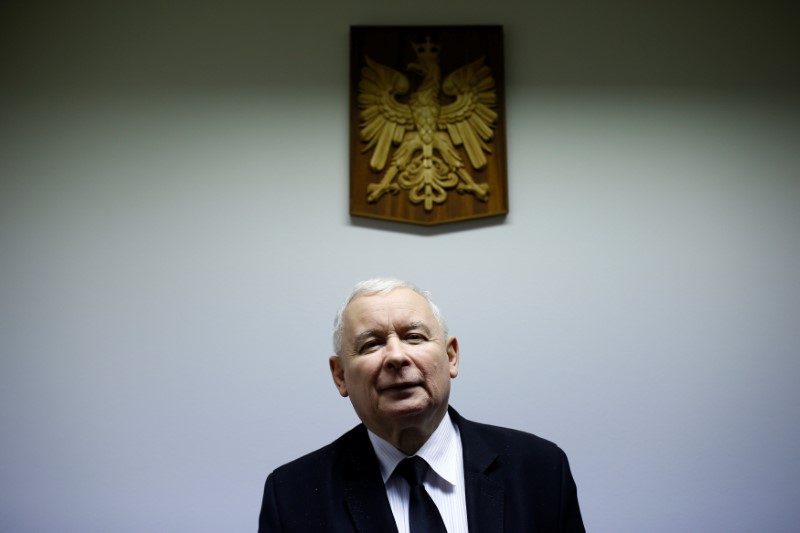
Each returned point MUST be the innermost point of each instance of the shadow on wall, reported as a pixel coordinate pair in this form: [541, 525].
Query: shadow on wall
[738, 46]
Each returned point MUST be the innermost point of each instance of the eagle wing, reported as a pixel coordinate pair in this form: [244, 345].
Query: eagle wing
[383, 119]
[469, 119]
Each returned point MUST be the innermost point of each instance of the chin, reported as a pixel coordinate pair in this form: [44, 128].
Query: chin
[410, 409]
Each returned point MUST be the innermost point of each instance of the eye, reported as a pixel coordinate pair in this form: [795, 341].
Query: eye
[415, 338]
[368, 346]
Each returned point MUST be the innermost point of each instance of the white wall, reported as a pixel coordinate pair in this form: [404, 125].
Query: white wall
[174, 241]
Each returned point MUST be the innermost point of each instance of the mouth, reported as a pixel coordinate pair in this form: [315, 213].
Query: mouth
[399, 387]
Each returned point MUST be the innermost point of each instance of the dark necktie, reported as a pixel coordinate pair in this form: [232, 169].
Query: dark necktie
[423, 514]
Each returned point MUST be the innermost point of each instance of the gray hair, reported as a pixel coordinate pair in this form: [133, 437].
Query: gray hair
[375, 286]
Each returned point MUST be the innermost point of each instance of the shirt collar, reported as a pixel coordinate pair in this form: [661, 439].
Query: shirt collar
[440, 451]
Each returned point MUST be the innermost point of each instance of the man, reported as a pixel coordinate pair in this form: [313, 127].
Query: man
[395, 361]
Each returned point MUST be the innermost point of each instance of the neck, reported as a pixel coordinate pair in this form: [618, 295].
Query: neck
[410, 439]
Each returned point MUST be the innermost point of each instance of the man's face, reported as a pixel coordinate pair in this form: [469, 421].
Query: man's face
[395, 364]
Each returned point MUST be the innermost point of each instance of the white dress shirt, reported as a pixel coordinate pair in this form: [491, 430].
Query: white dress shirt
[444, 481]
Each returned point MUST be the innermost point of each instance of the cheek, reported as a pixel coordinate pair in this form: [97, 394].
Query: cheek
[438, 371]
[361, 377]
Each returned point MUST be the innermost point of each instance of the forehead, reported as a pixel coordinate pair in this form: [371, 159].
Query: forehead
[387, 309]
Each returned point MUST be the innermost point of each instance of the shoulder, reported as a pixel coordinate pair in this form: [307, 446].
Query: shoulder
[509, 437]
[534, 474]
[513, 446]
[306, 494]
[321, 462]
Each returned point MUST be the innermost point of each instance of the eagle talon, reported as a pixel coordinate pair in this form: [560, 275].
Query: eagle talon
[376, 190]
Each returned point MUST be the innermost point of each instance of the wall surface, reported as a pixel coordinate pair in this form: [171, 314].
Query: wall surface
[174, 241]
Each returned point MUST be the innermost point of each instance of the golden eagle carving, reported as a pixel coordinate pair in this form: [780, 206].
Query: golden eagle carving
[434, 133]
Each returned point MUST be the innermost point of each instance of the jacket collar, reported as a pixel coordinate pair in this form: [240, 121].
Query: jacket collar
[364, 491]
[485, 496]
[365, 494]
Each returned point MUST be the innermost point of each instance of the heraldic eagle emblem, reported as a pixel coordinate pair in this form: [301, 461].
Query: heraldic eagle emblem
[425, 128]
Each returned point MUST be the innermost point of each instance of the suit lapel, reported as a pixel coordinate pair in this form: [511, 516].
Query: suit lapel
[365, 494]
[364, 491]
[485, 497]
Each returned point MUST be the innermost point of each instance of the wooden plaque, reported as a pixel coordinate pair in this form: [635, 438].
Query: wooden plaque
[427, 123]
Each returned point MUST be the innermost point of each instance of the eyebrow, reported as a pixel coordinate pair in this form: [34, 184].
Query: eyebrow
[369, 333]
[418, 325]
[361, 337]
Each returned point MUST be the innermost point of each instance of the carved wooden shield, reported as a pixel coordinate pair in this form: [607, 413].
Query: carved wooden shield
[427, 123]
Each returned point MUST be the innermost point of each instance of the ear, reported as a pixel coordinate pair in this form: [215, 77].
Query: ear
[337, 372]
[452, 356]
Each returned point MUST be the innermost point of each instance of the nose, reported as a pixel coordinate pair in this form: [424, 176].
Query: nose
[395, 356]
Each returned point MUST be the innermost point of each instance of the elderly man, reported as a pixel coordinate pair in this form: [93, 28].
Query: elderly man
[414, 464]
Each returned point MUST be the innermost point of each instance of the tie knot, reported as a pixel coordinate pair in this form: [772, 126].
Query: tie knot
[413, 470]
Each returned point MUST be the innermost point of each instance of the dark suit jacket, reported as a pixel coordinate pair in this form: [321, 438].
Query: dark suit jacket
[515, 482]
